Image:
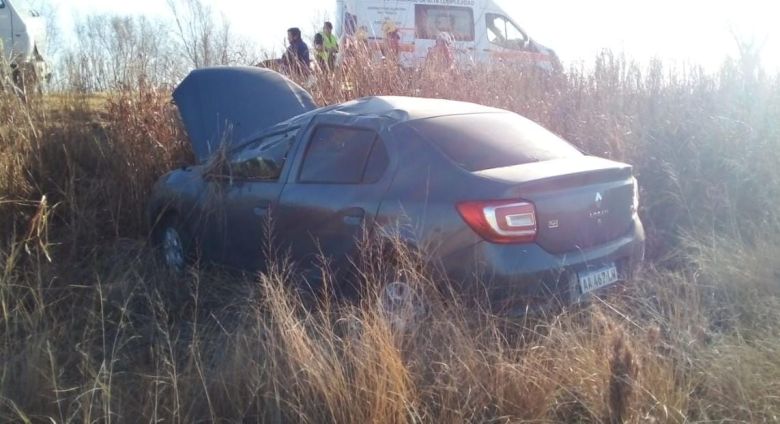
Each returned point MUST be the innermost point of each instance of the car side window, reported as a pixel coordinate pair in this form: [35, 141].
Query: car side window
[378, 162]
[338, 155]
[503, 32]
[264, 159]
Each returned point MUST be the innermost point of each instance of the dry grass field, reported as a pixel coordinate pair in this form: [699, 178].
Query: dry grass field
[93, 330]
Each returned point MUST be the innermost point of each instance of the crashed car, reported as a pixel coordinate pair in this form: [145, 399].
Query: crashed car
[496, 200]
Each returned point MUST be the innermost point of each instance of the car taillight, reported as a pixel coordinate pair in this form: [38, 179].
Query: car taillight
[503, 222]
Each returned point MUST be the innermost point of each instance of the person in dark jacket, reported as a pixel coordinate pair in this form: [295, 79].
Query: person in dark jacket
[296, 59]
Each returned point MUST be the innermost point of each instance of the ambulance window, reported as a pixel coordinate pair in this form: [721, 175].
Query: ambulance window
[503, 32]
[432, 20]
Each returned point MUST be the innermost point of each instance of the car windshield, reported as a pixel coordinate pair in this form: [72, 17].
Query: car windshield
[492, 140]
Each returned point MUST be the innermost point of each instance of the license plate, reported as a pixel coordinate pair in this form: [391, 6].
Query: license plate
[594, 280]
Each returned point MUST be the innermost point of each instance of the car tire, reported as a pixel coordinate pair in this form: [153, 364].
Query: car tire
[400, 296]
[402, 305]
[17, 81]
[173, 243]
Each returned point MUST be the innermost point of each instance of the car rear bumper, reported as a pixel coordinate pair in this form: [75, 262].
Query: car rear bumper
[513, 279]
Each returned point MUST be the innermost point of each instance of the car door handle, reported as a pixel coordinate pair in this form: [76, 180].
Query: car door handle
[262, 209]
[353, 216]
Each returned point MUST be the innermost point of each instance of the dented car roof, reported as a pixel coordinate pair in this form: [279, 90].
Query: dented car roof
[232, 105]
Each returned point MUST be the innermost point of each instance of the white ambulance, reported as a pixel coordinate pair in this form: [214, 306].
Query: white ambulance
[481, 31]
[22, 38]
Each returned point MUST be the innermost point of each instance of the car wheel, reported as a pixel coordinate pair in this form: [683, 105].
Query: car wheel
[173, 243]
[17, 81]
[402, 305]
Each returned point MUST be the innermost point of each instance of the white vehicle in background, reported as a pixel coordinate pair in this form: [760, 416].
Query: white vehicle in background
[22, 43]
[482, 32]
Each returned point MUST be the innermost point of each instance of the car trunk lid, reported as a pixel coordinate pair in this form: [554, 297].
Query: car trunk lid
[580, 202]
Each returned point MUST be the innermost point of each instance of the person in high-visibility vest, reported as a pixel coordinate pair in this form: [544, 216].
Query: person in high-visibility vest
[320, 54]
[331, 44]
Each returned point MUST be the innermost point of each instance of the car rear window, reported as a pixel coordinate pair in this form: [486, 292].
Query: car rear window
[492, 140]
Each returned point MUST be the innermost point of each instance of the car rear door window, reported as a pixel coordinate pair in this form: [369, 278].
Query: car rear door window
[338, 155]
[377, 164]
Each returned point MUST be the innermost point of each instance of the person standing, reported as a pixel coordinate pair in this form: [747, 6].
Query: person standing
[296, 59]
[440, 56]
[331, 44]
[392, 45]
[320, 54]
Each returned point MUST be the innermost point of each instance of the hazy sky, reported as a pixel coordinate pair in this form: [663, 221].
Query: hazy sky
[682, 31]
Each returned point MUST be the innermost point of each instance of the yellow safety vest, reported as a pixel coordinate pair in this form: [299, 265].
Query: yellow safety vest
[330, 42]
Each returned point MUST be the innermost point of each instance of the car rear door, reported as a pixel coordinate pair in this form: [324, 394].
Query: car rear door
[335, 191]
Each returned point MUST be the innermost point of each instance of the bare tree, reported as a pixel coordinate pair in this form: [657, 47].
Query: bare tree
[54, 41]
[121, 52]
[749, 55]
[112, 51]
[205, 39]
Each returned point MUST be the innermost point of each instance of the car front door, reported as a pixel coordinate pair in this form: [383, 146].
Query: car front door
[334, 193]
[245, 194]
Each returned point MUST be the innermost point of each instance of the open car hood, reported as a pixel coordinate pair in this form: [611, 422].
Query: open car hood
[229, 104]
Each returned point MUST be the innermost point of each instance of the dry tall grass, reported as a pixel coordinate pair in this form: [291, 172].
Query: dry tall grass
[92, 330]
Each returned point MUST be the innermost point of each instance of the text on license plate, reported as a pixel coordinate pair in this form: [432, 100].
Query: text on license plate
[594, 280]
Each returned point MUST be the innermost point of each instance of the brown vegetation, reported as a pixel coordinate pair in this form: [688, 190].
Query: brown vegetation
[92, 330]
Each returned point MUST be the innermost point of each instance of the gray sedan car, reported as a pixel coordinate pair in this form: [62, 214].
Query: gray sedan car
[500, 203]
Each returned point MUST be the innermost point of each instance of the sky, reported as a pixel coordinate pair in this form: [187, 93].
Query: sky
[682, 32]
